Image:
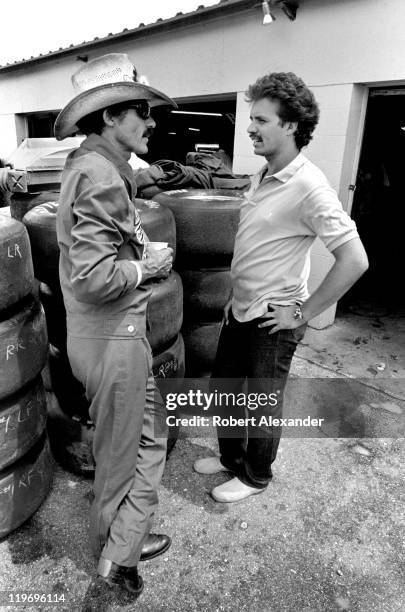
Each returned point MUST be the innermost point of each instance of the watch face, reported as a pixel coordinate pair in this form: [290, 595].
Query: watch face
[298, 313]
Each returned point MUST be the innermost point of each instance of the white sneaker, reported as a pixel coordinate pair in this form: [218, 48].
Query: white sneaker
[234, 490]
[209, 465]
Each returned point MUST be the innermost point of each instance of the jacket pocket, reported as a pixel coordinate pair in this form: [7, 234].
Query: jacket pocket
[123, 327]
[130, 326]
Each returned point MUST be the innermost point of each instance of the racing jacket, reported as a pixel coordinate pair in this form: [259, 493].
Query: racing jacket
[99, 234]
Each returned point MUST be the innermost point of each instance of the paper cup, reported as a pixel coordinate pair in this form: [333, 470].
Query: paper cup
[157, 246]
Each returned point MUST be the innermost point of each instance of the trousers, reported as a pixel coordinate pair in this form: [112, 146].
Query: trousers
[251, 361]
[113, 360]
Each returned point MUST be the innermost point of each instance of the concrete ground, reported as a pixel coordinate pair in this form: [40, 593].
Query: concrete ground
[326, 535]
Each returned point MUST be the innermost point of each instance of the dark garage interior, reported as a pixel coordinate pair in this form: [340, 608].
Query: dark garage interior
[206, 123]
[378, 204]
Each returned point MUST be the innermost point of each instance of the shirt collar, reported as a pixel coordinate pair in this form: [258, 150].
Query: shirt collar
[100, 145]
[288, 171]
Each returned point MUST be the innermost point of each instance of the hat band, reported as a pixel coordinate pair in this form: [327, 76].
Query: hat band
[116, 75]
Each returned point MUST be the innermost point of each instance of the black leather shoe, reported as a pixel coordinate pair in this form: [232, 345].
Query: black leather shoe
[127, 577]
[155, 545]
[133, 581]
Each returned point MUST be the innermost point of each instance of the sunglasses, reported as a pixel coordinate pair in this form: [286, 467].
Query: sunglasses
[142, 108]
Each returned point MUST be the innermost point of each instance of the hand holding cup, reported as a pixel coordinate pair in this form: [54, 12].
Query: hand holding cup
[158, 261]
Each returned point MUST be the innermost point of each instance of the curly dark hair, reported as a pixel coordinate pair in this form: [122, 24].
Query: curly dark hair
[296, 102]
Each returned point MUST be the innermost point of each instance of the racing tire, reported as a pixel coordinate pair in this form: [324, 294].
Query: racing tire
[206, 292]
[55, 314]
[41, 226]
[158, 222]
[168, 370]
[71, 430]
[206, 225]
[23, 347]
[170, 364]
[22, 422]
[16, 270]
[71, 439]
[201, 342]
[24, 485]
[165, 312]
[21, 203]
[69, 392]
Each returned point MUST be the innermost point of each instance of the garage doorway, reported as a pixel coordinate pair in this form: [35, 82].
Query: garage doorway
[206, 123]
[40, 125]
[378, 203]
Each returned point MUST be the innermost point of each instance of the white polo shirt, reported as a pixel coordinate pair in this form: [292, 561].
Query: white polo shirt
[279, 220]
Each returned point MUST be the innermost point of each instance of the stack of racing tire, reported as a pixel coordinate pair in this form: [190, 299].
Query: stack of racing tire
[26, 466]
[206, 223]
[21, 203]
[70, 428]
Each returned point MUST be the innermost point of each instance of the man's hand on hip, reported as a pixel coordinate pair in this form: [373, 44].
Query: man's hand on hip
[157, 264]
[281, 317]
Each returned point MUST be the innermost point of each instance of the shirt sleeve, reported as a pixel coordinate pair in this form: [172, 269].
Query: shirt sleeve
[323, 214]
[102, 218]
[139, 270]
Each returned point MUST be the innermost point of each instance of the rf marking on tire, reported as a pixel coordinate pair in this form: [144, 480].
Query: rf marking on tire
[24, 480]
[12, 349]
[14, 250]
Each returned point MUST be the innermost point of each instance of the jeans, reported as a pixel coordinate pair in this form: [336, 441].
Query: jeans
[248, 355]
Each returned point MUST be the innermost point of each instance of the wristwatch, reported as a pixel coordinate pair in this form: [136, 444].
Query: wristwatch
[298, 314]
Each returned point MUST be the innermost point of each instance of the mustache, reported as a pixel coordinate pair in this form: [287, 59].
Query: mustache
[148, 132]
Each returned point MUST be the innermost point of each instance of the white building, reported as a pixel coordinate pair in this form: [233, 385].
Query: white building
[350, 52]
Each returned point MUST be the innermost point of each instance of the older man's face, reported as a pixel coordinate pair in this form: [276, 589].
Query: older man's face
[131, 133]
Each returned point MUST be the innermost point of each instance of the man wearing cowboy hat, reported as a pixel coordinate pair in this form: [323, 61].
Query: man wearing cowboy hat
[105, 267]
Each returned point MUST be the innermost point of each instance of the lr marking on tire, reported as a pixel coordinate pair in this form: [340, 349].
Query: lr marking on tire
[13, 251]
[14, 348]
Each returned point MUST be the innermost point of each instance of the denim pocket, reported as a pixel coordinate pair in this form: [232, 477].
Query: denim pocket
[299, 332]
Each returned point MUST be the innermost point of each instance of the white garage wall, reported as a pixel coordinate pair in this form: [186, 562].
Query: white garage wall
[334, 45]
[8, 135]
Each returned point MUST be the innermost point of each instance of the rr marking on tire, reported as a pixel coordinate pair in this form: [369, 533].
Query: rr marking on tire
[14, 348]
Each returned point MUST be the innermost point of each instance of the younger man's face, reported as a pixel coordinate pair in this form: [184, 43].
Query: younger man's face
[266, 130]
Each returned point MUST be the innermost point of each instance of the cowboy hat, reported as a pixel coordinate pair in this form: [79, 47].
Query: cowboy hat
[100, 83]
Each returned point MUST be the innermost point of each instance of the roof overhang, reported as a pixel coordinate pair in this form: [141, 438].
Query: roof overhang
[201, 14]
